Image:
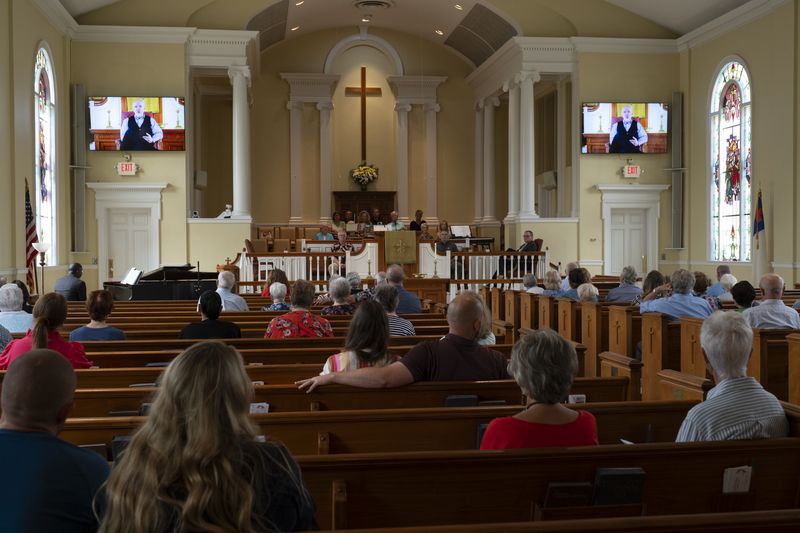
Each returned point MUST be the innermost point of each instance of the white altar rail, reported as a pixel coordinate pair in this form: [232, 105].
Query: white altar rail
[316, 267]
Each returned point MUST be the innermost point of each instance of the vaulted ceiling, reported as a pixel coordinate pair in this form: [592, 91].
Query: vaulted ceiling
[474, 28]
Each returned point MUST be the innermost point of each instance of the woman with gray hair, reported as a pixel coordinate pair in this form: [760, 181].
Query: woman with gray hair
[339, 289]
[726, 282]
[588, 293]
[277, 291]
[530, 284]
[543, 364]
[12, 317]
[552, 284]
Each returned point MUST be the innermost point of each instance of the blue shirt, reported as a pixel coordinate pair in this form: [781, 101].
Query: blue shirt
[626, 292]
[409, 302]
[678, 306]
[16, 321]
[553, 293]
[571, 294]
[48, 484]
[715, 290]
[108, 333]
[319, 236]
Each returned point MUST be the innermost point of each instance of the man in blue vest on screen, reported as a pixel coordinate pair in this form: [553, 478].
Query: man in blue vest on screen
[140, 131]
[627, 135]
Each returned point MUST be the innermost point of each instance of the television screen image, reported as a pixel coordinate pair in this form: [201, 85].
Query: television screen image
[624, 128]
[137, 123]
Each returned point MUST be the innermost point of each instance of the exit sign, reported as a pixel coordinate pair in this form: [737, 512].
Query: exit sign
[631, 171]
[127, 168]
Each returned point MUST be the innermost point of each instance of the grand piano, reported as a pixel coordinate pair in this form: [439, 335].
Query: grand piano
[164, 283]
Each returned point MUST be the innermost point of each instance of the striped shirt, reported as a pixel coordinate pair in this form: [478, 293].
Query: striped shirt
[400, 327]
[772, 314]
[736, 409]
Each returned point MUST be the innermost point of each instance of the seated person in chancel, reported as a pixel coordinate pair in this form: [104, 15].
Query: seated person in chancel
[416, 224]
[394, 224]
[367, 342]
[424, 234]
[364, 226]
[737, 407]
[324, 233]
[544, 365]
[337, 222]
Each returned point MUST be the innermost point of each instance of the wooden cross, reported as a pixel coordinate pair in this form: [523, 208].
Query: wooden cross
[363, 91]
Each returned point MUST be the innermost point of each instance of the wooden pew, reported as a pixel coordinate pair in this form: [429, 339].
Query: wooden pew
[569, 319]
[464, 487]
[528, 310]
[594, 334]
[512, 310]
[548, 316]
[416, 429]
[769, 361]
[775, 521]
[617, 365]
[793, 366]
[498, 306]
[661, 349]
[288, 398]
[675, 385]
[580, 350]
[624, 329]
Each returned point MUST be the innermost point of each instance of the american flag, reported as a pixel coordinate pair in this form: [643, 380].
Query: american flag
[30, 238]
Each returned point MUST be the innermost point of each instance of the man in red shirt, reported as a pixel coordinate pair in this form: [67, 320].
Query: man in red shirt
[456, 357]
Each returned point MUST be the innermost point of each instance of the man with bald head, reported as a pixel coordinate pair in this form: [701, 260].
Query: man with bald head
[48, 484]
[71, 286]
[455, 357]
[772, 313]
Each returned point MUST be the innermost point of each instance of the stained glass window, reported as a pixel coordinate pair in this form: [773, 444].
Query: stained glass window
[44, 109]
[730, 165]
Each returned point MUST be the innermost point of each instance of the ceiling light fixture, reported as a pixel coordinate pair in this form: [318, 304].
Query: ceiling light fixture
[366, 18]
[300, 2]
[459, 7]
[438, 32]
[296, 28]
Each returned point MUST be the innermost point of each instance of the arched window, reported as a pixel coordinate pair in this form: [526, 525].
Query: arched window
[45, 142]
[730, 123]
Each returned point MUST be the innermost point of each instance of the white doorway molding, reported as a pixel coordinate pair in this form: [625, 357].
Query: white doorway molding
[622, 196]
[109, 196]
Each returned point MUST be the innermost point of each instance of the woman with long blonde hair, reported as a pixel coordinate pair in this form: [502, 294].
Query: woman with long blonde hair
[195, 464]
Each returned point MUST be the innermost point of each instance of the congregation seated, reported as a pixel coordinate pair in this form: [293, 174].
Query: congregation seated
[771, 312]
[577, 277]
[324, 233]
[675, 299]
[416, 224]
[49, 314]
[339, 290]
[726, 283]
[588, 293]
[198, 465]
[26, 296]
[552, 284]
[409, 302]
[357, 292]
[737, 407]
[530, 284]
[299, 322]
[544, 365]
[48, 483]
[394, 224]
[456, 357]
[71, 286]
[653, 280]
[424, 234]
[12, 316]
[389, 297]
[277, 292]
[744, 295]
[226, 281]
[276, 274]
[364, 224]
[341, 244]
[701, 289]
[716, 289]
[565, 284]
[337, 223]
[210, 327]
[367, 341]
[99, 305]
[627, 290]
[376, 219]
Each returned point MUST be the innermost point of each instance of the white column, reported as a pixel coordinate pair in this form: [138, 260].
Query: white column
[479, 162]
[527, 187]
[488, 160]
[296, 163]
[325, 160]
[561, 146]
[431, 164]
[513, 152]
[240, 79]
[402, 158]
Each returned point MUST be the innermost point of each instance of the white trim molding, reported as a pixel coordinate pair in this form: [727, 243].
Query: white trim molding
[364, 38]
[416, 89]
[637, 196]
[611, 45]
[111, 195]
[736, 18]
[310, 87]
[132, 34]
[224, 49]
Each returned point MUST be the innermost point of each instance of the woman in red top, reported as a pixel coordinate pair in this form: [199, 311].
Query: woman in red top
[276, 274]
[300, 322]
[49, 314]
[544, 364]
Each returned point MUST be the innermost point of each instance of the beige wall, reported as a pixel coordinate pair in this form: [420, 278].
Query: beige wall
[211, 242]
[138, 69]
[621, 77]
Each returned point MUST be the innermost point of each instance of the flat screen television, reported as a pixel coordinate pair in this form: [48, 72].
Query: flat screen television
[137, 123]
[624, 127]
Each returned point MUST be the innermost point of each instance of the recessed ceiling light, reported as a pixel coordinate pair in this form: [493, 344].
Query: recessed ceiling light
[366, 18]
[300, 2]
[459, 7]
[296, 28]
[438, 32]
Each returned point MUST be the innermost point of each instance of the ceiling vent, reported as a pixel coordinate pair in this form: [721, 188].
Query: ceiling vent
[373, 4]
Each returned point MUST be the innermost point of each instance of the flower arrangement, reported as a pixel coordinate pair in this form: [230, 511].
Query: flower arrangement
[364, 174]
